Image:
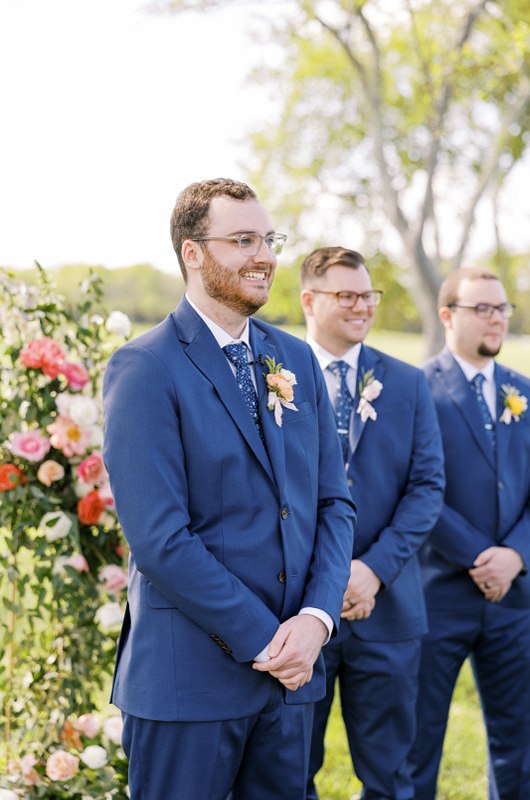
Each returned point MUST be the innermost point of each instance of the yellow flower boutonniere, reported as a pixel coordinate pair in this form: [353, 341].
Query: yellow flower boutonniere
[369, 390]
[515, 404]
[280, 384]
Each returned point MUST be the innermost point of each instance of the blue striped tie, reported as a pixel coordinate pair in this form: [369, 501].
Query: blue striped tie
[344, 404]
[476, 384]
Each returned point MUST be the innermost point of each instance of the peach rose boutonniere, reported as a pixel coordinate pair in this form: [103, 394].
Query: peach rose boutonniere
[515, 404]
[280, 384]
[369, 390]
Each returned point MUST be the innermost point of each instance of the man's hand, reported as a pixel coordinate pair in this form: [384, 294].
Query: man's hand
[359, 597]
[494, 570]
[294, 649]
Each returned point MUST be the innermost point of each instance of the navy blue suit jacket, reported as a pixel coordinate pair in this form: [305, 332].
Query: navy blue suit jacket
[487, 501]
[227, 538]
[396, 476]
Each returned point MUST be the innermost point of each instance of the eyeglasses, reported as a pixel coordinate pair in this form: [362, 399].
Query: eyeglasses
[349, 299]
[485, 310]
[250, 243]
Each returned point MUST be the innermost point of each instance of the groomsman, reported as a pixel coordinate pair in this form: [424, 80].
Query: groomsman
[475, 564]
[392, 453]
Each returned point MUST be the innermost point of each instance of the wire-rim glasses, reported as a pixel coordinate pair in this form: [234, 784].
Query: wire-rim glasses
[250, 243]
[485, 310]
[349, 299]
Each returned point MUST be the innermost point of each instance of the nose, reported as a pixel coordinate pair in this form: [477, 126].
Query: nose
[270, 256]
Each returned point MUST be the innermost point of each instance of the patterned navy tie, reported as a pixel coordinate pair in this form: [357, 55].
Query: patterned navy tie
[344, 404]
[476, 384]
[237, 354]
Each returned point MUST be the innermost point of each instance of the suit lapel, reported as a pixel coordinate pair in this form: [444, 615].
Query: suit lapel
[202, 349]
[274, 436]
[462, 395]
[504, 432]
[368, 359]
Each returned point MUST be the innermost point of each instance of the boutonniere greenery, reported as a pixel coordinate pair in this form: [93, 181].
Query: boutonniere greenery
[515, 404]
[369, 390]
[280, 384]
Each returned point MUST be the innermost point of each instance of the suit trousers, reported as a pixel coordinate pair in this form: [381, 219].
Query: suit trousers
[497, 640]
[261, 757]
[377, 683]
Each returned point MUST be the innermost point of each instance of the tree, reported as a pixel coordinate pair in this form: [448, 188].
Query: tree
[408, 112]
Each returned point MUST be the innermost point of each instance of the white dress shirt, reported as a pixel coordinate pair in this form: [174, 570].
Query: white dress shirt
[489, 389]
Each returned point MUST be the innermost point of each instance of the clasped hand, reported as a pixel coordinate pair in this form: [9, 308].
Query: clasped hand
[294, 649]
[494, 570]
[359, 597]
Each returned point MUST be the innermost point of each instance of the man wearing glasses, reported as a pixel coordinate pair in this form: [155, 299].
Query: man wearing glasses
[475, 563]
[228, 480]
[393, 461]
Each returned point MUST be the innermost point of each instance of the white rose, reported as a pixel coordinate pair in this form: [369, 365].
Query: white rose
[55, 525]
[7, 794]
[109, 615]
[81, 489]
[83, 411]
[94, 756]
[119, 323]
[63, 401]
[96, 437]
[112, 729]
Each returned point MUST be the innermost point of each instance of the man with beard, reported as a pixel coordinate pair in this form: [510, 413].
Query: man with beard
[229, 485]
[476, 583]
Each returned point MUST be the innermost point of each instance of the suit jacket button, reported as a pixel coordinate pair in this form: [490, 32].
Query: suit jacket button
[284, 512]
[282, 577]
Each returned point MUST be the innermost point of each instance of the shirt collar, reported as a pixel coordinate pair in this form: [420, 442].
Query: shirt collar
[325, 358]
[221, 336]
[470, 370]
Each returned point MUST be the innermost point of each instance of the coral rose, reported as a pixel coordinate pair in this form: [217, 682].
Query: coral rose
[10, 477]
[61, 766]
[31, 445]
[49, 472]
[281, 385]
[90, 507]
[75, 374]
[92, 469]
[45, 354]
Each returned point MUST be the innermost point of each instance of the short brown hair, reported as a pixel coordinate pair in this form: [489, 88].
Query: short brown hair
[319, 261]
[448, 293]
[190, 215]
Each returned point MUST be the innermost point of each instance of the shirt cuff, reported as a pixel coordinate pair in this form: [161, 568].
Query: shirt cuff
[323, 616]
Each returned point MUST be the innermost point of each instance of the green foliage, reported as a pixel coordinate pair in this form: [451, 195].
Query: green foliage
[59, 536]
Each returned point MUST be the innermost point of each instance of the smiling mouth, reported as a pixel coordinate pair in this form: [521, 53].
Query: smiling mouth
[255, 275]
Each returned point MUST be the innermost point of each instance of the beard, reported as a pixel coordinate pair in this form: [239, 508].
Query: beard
[222, 284]
[488, 352]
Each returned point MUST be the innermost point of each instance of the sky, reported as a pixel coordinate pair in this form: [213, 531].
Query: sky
[107, 112]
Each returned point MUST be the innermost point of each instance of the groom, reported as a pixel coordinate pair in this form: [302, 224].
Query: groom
[230, 489]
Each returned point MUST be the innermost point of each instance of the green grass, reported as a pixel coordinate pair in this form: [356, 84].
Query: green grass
[463, 769]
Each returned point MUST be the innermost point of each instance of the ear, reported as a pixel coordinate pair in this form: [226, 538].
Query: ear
[306, 299]
[192, 254]
[445, 316]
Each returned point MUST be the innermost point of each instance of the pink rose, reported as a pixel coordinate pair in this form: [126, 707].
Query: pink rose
[30, 776]
[372, 390]
[68, 437]
[61, 766]
[49, 472]
[88, 724]
[75, 374]
[281, 385]
[45, 354]
[113, 578]
[92, 470]
[77, 562]
[31, 445]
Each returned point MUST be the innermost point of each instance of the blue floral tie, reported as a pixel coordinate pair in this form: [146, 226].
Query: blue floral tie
[237, 354]
[344, 404]
[476, 384]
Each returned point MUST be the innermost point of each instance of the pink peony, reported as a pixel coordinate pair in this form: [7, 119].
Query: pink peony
[68, 437]
[75, 374]
[31, 445]
[49, 472]
[61, 766]
[113, 578]
[92, 470]
[88, 724]
[45, 354]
